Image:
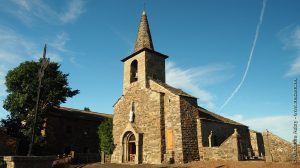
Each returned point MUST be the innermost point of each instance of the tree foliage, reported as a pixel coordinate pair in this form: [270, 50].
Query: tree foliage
[87, 109]
[22, 87]
[106, 137]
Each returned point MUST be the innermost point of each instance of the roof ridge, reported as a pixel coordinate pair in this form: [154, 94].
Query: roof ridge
[222, 118]
[172, 89]
[82, 111]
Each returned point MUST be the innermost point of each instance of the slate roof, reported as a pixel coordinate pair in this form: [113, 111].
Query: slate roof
[208, 115]
[147, 50]
[81, 113]
[174, 90]
[143, 39]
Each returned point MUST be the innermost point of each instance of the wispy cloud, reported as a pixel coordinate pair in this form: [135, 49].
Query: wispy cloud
[16, 48]
[12, 46]
[193, 80]
[55, 57]
[30, 11]
[59, 45]
[2, 77]
[290, 37]
[60, 41]
[74, 10]
[264, 3]
[126, 40]
[284, 129]
[73, 60]
[294, 68]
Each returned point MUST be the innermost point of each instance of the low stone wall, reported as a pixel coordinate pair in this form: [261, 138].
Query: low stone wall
[105, 158]
[62, 161]
[29, 161]
[220, 132]
[276, 148]
[229, 150]
[257, 145]
[217, 153]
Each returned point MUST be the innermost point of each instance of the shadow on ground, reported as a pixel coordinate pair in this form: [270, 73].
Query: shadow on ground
[201, 164]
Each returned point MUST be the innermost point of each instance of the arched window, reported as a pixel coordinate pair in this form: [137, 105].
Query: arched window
[133, 71]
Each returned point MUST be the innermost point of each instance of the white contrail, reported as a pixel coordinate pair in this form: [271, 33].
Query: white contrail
[250, 56]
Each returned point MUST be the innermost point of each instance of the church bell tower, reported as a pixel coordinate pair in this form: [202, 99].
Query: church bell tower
[144, 63]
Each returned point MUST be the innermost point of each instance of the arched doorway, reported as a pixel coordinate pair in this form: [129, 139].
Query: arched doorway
[129, 147]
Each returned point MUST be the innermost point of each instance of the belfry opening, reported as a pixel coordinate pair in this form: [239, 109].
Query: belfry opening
[133, 71]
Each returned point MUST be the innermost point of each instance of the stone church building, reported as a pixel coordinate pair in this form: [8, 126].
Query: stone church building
[156, 123]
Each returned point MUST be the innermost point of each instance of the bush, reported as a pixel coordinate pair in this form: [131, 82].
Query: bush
[105, 136]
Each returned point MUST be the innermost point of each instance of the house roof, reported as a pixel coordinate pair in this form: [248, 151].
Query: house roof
[82, 113]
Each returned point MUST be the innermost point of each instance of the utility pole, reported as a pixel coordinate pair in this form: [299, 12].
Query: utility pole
[40, 77]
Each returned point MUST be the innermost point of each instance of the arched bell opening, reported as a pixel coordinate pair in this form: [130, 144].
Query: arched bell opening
[133, 71]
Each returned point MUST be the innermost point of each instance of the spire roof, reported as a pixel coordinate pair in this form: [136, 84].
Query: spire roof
[143, 39]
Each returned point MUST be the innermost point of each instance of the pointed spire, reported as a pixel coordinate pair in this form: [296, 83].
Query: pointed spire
[143, 39]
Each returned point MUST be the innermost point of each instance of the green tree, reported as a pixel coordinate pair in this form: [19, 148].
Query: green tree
[22, 84]
[106, 137]
[87, 109]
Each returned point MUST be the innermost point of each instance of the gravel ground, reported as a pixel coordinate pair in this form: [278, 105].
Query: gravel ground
[201, 164]
[99, 165]
[241, 164]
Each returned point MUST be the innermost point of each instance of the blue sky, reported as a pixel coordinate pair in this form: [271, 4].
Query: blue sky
[208, 43]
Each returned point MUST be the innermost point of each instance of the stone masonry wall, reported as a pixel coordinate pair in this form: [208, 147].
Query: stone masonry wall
[150, 66]
[222, 131]
[257, 144]
[189, 130]
[75, 133]
[276, 148]
[155, 67]
[146, 121]
[141, 72]
[229, 150]
[172, 122]
[162, 126]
